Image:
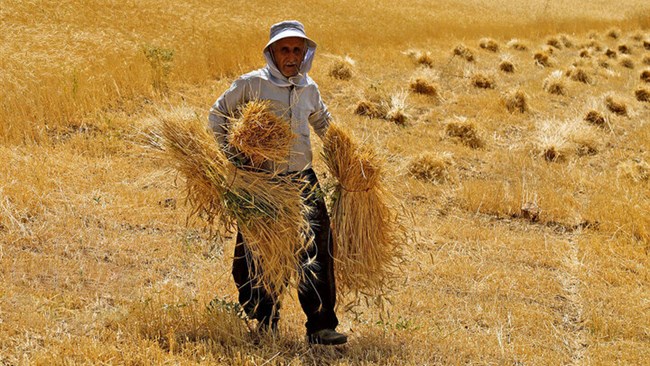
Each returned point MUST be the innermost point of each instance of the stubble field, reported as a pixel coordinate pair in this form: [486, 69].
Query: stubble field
[523, 175]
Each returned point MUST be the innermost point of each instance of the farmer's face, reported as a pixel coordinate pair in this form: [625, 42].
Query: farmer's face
[288, 54]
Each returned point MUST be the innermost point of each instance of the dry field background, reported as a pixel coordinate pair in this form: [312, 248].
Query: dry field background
[530, 225]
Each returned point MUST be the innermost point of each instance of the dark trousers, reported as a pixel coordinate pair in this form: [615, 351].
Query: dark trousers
[317, 293]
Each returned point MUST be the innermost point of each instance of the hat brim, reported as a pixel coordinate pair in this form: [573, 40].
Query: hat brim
[290, 33]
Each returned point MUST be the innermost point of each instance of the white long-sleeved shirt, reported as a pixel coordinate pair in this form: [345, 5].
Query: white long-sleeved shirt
[296, 100]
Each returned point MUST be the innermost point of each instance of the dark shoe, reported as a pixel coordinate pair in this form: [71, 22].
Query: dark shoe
[328, 337]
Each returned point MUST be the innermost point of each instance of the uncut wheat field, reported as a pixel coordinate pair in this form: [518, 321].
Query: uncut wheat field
[515, 136]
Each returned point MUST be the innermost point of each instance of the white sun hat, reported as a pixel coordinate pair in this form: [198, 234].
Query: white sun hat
[286, 29]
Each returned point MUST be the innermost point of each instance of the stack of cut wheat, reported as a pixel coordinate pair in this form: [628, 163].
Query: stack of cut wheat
[367, 234]
[268, 209]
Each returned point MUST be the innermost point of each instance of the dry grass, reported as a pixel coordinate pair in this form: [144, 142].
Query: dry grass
[515, 100]
[342, 68]
[488, 44]
[638, 170]
[260, 135]
[367, 234]
[432, 168]
[554, 83]
[646, 60]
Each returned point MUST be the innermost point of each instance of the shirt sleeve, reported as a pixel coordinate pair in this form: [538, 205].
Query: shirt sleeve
[224, 108]
[321, 117]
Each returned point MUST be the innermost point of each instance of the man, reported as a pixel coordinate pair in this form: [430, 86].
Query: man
[294, 96]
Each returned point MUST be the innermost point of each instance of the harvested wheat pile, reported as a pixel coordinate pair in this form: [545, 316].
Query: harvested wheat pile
[516, 44]
[625, 49]
[367, 234]
[604, 63]
[578, 74]
[424, 86]
[542, 58]
[433, 168]
[645, 76]
[371, 108]
[616, 105]
[488, 44]
[595, 46]
[260, 135]
[506, 65]
[420, 58]
[397, 109]
[463, 52]
[342, 68]
[614, 33]
[566, 41]
[465, 132]
[424, 59]
[642, 94]
[268, 210]
[515, 100]
[482, 80]
[595, 118]
[627, 62]
[556, 141]
[554, 42]
[554, 83]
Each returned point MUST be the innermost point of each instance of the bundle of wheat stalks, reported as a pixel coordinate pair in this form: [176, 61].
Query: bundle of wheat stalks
[267, 209]
[367, 234]
[260, 135]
